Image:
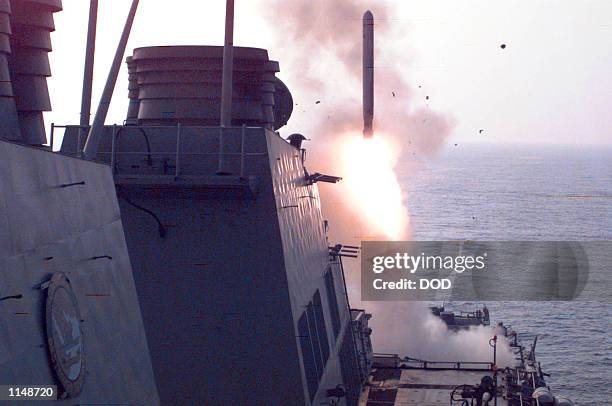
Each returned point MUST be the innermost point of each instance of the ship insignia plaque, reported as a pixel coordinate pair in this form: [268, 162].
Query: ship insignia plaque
[65, 336]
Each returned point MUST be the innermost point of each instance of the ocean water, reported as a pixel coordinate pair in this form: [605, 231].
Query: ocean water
[524, 193]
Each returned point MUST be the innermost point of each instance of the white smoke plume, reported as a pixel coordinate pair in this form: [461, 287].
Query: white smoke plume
[409, 328]
[319, 44]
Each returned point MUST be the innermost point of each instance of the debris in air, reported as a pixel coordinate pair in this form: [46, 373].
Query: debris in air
[503, 46]
[318, 101]
[480, 131]
[393, 93]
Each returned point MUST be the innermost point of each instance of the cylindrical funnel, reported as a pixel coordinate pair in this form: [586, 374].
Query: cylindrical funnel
[132, 113]
[32, 23]
[368, 73]
[183, 84]
[9, 125]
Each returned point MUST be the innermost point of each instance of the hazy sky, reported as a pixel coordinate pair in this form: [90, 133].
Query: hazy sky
[552, 82]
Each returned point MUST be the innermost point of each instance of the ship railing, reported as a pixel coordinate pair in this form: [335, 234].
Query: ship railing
[221, 153]
[393, 361]
[54, 127]
[448, 365]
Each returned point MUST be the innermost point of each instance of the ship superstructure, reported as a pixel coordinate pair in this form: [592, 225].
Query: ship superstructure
[461, 319]
[68, 304]
[243, 299]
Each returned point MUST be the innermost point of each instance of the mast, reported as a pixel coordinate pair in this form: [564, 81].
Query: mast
[97, 128]
[90, 50]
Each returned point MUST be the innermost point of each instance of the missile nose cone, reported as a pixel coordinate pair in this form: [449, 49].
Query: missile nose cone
[368, 16]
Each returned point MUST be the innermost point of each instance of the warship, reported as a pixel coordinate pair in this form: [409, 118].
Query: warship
[181, 257]
[462, 320]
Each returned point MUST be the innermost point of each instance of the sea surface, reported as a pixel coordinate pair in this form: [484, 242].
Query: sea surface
[528, 193]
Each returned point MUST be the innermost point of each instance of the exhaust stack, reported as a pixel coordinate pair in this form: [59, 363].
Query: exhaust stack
[368, 73]
[9, 124]
[30, 43]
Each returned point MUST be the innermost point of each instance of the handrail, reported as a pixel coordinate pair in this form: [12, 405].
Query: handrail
[212, 127]
[182, 153]
[79, 135]
[414, 363]
[178, 151]
[221, 153]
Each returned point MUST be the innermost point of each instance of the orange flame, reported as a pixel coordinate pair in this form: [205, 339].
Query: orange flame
[368, 165]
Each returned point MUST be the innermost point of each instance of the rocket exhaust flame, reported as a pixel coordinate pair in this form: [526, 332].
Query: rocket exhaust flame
[373, 185]
[368, 73]
[370, 202]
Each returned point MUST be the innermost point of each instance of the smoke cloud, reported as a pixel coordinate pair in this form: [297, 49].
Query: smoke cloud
[320, 43]
[409, 328]
[321, 47]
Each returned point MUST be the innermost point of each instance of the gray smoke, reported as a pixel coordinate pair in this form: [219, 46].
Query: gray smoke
[321, 47]
[409, 328]
[320, 44]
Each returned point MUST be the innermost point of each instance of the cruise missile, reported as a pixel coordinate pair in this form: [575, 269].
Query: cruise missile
[368, 73]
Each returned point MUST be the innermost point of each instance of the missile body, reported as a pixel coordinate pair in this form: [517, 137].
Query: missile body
[368, 73]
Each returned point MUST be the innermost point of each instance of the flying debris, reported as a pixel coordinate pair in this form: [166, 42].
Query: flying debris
[318, 102]
[393, 93]
[426, 97]
[503, 46]
[368, 73]
[480, 131]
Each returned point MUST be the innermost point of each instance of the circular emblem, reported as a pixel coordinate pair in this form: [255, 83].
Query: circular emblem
[64, 335]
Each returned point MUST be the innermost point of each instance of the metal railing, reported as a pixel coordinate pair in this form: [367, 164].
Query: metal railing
[221, 152]
[79, 149]
[415, 363]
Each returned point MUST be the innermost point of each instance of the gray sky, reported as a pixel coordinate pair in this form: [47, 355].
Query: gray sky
[552, 82]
